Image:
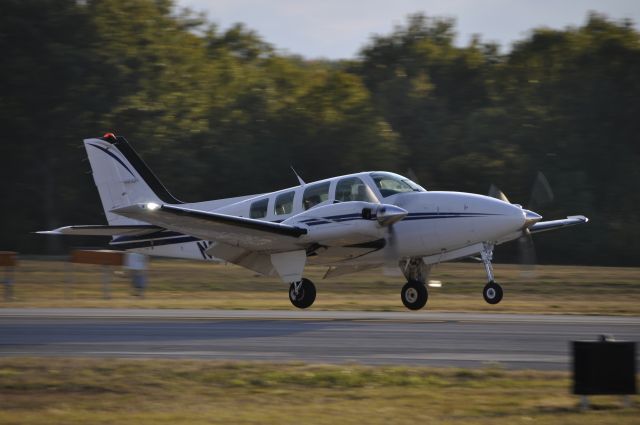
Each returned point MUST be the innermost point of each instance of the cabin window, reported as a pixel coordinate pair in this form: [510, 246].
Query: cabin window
[313, 195]
[284, 203]
[354, 189]
[390, 184]
[259, 208]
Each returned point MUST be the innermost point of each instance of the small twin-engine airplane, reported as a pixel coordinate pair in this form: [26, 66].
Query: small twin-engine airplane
[347, 223]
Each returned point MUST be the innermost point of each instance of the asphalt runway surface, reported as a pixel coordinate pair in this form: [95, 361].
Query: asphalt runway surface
[410, 338]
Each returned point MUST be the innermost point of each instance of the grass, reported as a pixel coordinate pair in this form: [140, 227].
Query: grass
[100, 391]
[186, 284]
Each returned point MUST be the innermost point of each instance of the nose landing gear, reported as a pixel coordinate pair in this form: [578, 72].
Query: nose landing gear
[492, 292]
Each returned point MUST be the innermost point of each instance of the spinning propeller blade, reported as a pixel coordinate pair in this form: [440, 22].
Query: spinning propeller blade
[494, 192]
[387, 216]
[541, 194]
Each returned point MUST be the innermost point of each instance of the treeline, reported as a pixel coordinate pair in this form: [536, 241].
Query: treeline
[222, 112]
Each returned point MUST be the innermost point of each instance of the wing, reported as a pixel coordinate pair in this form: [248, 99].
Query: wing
[543, 226]
[102, 230]
[250, 234]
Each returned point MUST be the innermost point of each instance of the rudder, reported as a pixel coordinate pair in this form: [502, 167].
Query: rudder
[122, 177]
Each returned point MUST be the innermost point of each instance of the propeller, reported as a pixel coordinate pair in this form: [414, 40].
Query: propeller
[541, 195]
[494, 192]
[391, 251]
[387, 216]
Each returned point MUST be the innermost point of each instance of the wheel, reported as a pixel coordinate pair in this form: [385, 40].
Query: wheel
[414, 295]
[305, 295]
[492, 293]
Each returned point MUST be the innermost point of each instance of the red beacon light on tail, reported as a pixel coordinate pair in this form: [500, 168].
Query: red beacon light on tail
[109, 136]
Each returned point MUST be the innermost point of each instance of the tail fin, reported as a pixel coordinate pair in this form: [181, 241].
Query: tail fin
[122, 177]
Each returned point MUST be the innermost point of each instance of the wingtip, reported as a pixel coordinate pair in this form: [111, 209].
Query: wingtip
[582, 218]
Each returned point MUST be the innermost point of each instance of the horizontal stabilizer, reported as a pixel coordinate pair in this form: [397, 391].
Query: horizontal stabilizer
[543, 226]
[102, 230]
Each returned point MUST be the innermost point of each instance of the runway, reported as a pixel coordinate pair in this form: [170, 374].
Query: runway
[409, 338]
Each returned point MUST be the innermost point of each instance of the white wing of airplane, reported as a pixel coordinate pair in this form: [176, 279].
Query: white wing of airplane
[263, 246]
[248, 233]
[543, 226]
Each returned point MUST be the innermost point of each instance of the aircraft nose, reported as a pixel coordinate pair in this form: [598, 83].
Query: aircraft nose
[503, 217]
[515, 216]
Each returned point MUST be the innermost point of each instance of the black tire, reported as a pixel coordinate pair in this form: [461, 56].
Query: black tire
[306, 294]
[492, 293]
[414, 295]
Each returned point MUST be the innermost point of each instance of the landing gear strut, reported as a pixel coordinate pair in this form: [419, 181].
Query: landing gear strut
[492, 292]
[414, 293]
[302, 294]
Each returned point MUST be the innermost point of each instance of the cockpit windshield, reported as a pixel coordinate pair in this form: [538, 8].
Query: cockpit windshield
[390, 184]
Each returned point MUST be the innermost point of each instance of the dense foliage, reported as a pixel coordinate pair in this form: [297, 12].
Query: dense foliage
[221, 112]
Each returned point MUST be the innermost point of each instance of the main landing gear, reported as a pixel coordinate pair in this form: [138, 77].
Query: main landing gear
[302, 294]
[492, 292]
[414, 294]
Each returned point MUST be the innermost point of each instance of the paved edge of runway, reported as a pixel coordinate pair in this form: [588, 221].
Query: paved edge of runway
[422, 316]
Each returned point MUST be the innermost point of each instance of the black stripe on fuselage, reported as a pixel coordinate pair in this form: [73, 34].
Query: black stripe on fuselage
[409, 217]
[436, 215]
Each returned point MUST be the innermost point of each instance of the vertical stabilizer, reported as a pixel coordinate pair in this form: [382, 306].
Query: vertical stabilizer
[122, 177]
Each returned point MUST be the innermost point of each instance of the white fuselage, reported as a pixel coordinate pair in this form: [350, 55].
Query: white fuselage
[439, 226]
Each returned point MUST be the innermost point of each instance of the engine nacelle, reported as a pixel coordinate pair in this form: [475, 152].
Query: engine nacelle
[347, 223]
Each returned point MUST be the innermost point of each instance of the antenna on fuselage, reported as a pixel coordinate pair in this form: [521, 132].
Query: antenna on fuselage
[302, 183]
